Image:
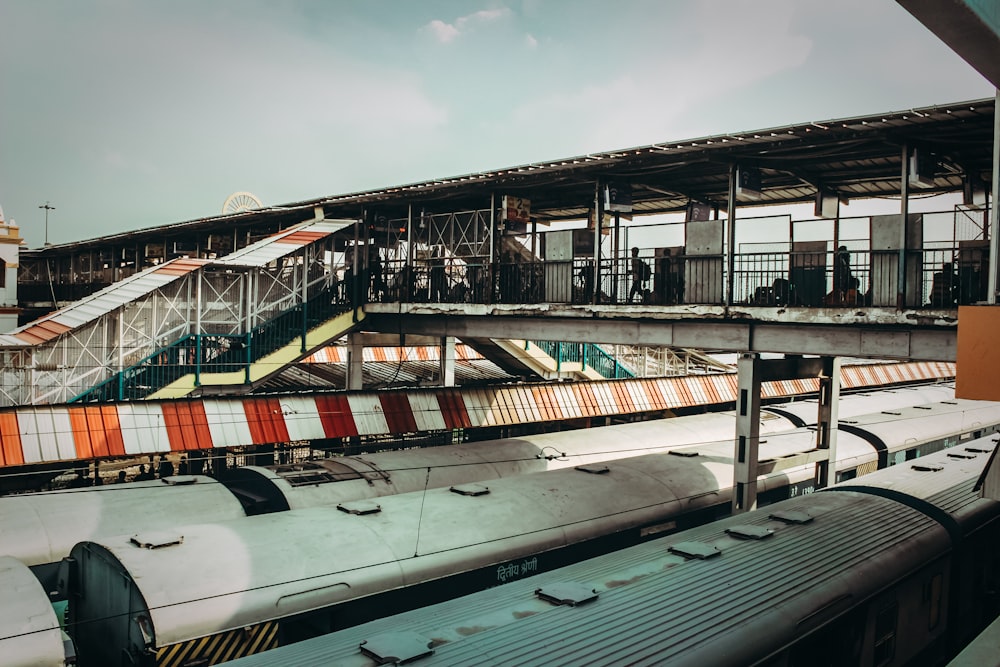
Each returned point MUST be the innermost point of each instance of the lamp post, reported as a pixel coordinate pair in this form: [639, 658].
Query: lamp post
[47, 209]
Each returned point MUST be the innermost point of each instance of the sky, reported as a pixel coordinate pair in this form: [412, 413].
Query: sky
[128, 114]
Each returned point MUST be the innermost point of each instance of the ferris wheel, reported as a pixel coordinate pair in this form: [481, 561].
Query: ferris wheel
[241, 201]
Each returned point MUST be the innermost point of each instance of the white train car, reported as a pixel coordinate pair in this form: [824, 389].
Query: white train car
[30, 633]
[249, 584]
[891, 569]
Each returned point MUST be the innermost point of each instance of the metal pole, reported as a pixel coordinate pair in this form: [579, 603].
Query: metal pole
[994, 214]
[598, 215]
[904, 212]
[47, 209]
[731, 235]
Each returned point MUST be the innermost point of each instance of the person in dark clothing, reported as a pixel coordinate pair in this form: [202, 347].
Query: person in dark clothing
[841, 272]
[640, 274]
[166, 468]
[439, 277]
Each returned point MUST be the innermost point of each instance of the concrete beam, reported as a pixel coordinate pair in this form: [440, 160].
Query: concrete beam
[877, 337]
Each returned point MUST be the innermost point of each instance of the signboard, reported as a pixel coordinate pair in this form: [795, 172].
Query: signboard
[618, 197]
[748, 182]
[698, 211]
[515, 214]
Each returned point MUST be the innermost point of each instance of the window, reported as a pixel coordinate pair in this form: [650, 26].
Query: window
[885, 635]
[932, 596]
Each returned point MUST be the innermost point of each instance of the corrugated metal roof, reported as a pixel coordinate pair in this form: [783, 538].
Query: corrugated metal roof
[655, 607]
[852, 157]
[98, 304]
[283, 243]
[147, 281]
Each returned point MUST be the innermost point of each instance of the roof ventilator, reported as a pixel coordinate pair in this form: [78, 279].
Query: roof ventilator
[927, 467]
[470, 489]
[978, 450]
[682, 452]
[791, 517]
[698, 550]
[960, 455]
[922, 407]
[748, 532]
[179, 480]
[155, 540]
[360, 507]
[393, 648]
[567, 593]
[594, 469]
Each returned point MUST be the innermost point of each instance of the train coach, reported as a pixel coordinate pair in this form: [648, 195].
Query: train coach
[41, 528]
[30, 632]
[211, 591]
[898, 568]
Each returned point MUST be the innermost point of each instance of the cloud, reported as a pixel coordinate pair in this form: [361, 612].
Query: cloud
[447, 32]
[443, 32]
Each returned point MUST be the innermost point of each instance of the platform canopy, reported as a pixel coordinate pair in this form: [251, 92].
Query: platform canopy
[848, 158]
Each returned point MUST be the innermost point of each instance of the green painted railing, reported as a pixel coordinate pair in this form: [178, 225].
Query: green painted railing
[213, 353]
[586, 354]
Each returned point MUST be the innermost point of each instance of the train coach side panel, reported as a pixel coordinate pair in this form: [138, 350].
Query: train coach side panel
[29, 630]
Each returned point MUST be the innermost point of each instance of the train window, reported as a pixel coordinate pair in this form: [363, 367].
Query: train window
[844, 475]
[885, 635]
[912, 454]
[932, 595]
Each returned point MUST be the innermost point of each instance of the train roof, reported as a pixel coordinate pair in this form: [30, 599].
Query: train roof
[43, 527]
[946, 479]
[913, 425]
[29, 630]
[804, 410]
[654, 606]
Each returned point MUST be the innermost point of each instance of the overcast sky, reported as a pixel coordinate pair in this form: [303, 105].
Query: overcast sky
[130, 114]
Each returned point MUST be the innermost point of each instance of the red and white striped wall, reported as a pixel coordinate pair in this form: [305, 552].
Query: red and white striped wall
[52, 433]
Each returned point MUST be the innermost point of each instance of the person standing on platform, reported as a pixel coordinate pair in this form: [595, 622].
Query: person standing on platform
[640, 274]
[166, 468]
[841, 273]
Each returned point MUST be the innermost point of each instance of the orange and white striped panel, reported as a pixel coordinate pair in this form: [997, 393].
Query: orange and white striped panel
[142, 427]
[427, 412]
[301, 417]
[47, 435]
[227, 423]
[368, 416]
[36, 434]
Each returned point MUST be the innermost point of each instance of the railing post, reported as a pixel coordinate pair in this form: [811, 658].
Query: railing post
[197, 360]
[305, 327]
[249, 357]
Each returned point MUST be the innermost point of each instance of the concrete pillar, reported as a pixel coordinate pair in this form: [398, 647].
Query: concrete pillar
[355, 360]
[826, 421]
[747, 433]
[447, 361]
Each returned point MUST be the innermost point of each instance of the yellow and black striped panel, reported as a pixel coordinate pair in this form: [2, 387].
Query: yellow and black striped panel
[221, 647]
[866, 468]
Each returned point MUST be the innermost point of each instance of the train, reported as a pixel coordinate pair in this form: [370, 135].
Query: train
[898, 568]
[41, 528]
[203, 593]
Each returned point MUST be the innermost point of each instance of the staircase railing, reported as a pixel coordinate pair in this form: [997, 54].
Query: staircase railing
[586, 354]
[214, 353]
